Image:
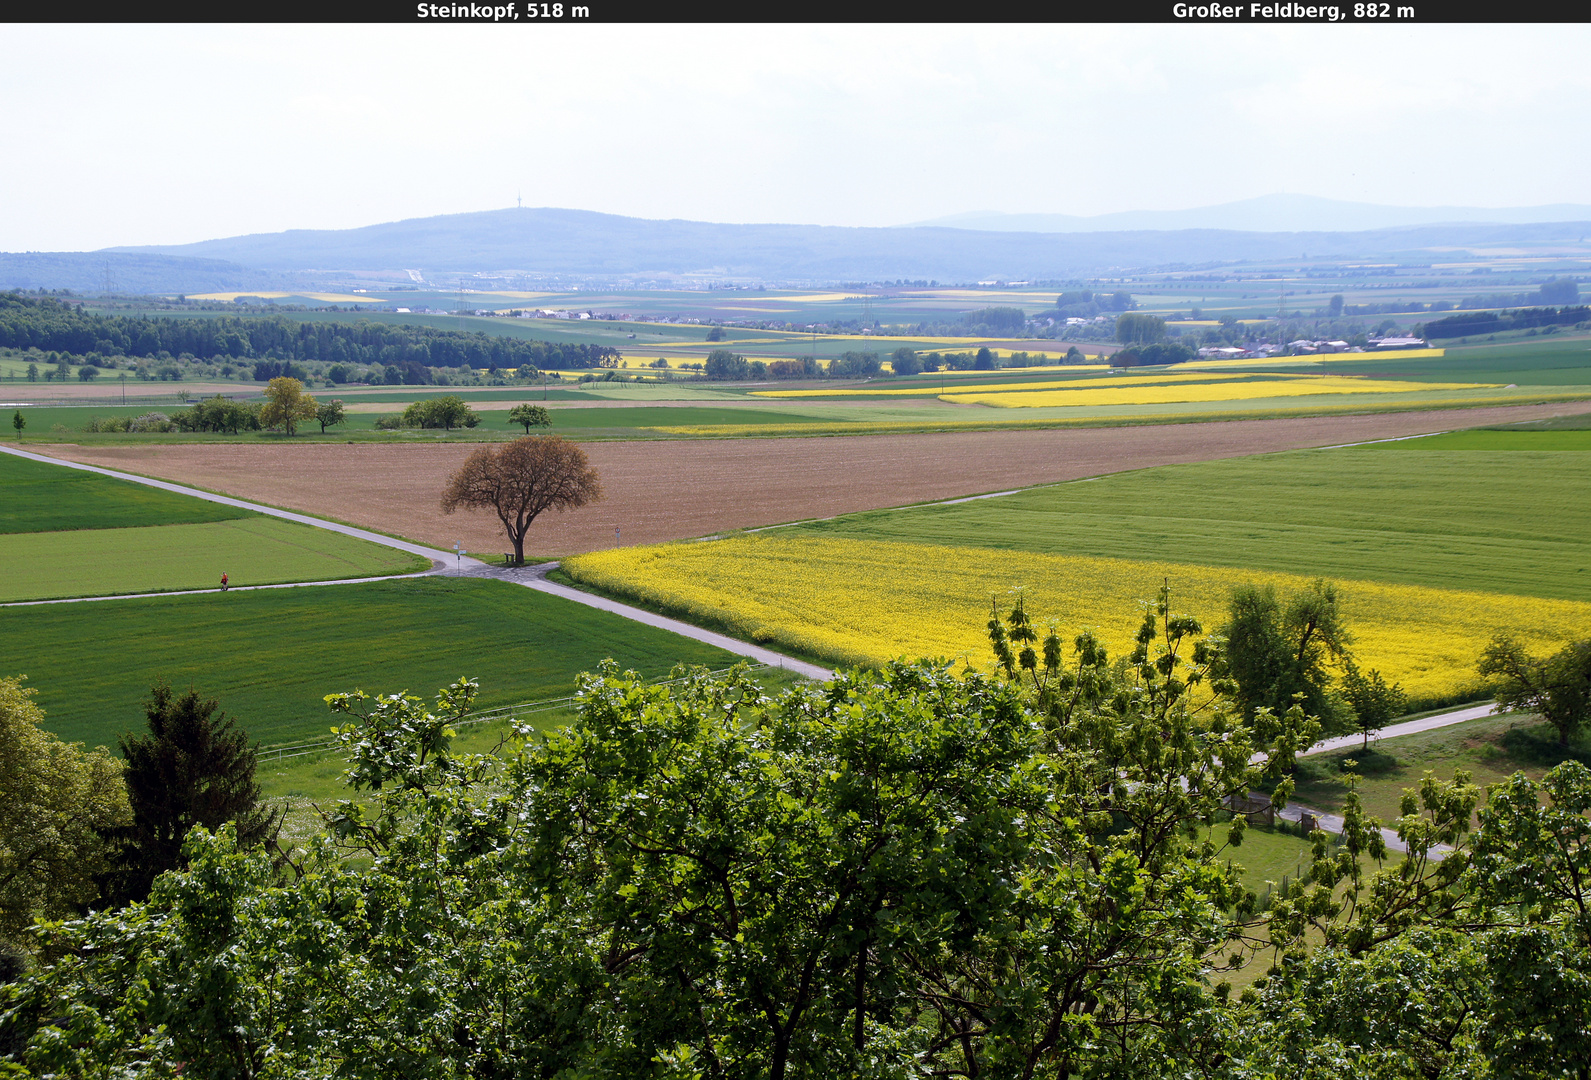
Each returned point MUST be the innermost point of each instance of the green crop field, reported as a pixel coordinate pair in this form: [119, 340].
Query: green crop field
[1546, 362]
[1511, 522]
[46, 498]
[1539, 439]
[255, 550]
[68, 532]
[271, 656]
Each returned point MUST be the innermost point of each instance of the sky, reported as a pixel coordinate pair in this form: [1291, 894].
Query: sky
[127, 135]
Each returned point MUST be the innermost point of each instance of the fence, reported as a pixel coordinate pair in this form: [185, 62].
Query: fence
[486, 716]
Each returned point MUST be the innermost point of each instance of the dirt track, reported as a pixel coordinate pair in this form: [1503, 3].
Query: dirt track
[669, 490]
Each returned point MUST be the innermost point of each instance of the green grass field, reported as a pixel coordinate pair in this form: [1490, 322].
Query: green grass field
[1549, 439]
[1511, 522]
[270, 657]
[67, 532]
[49, 498]
[256, 550]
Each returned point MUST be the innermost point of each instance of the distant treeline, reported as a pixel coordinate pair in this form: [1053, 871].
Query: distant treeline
[1495, 322]
[49, 325]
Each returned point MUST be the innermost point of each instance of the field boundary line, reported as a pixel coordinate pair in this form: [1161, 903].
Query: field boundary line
[433, 572]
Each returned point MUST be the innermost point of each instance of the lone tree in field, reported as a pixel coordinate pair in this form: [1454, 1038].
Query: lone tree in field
[530, 416]
[330, 413]
[524, 478]
[286, 404]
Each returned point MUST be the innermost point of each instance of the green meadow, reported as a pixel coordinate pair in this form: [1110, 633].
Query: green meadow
[41, 497]
[68, 532]
[1515, 521]
[271, 656]
[255, 550]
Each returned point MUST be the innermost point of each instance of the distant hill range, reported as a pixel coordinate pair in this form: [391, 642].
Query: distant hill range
[549, 247]
[1270, 213]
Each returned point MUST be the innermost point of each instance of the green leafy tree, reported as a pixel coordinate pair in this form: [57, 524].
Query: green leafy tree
[1279, 653]
[1558, 687]
[723, 364]
[903, 361]
[1133, 328]
[55, 800]
[18, 422]
[330, 413]
[1374, 703]
[286, 404]
[194, 767]
[446, 412]
[531, 416]
[903, 872]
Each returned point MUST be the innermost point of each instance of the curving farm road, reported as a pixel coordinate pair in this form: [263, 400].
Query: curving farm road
[441, 562]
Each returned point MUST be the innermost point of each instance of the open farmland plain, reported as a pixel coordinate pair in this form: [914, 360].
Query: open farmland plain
[639, 404]
[1436, 551]
[660, 491]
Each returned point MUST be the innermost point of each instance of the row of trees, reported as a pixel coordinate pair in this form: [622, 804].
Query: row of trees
[47, 324]
[1496, 322]
[899, 873]
[723, 364]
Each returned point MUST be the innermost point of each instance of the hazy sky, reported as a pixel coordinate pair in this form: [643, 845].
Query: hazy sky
[169, 134]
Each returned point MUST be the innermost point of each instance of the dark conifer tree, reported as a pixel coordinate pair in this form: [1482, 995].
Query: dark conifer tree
[194, 767]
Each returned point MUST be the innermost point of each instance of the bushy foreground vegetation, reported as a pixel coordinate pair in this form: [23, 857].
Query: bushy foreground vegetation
[902, 873]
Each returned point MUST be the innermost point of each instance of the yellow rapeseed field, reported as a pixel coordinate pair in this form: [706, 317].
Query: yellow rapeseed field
[864, 602]
[1145, 393]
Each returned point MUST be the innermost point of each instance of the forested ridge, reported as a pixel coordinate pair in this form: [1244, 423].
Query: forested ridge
[49, 325]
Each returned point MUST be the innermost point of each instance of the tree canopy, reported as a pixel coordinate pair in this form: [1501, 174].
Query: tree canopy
[529, 416]
[447, 412]
[330, 413]
[1279, 652]
[523, 480]
[1558, 686]
[908, 872]
[286, 404]
[194, 766]
[55, 802]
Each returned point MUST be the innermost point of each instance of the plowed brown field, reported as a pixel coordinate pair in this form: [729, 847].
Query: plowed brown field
[669, 490]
